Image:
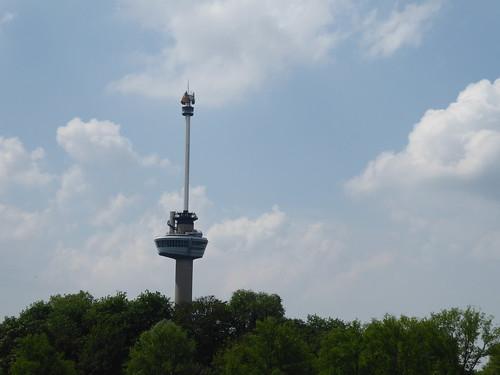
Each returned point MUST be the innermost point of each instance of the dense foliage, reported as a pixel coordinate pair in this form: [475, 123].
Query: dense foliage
[249, 334]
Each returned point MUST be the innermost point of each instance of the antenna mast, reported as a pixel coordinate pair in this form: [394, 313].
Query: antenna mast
[187, 102]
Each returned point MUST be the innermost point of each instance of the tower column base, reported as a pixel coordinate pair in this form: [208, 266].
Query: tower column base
[183, 281]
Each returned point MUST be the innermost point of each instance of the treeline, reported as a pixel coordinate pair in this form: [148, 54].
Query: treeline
[248, 335]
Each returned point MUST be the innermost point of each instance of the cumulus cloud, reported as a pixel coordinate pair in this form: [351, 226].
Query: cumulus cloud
[118, 251]
[19, 166]
[243, 234]
[6, 18]
[458, 147]
[488, 246]
[108, 260]
[436, 201]
[17, 224]
[228, 47]
[113, 211]
[100, 142]
[97, 236]
[232, 47]
[104, 242]
[90, 234]
[72, 184]
[198, 200]
[403, 28]
[272, 251]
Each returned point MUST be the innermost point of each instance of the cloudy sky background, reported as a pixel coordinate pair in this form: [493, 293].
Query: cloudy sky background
[345, 153]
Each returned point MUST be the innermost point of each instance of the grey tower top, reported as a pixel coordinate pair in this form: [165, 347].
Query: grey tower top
[187, 102]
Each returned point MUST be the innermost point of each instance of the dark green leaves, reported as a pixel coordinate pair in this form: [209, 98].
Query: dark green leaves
[165, 349]
[35, 356]
[77, 333]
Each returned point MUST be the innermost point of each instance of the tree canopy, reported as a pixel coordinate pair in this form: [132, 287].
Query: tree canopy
[164, 349]
[35, 356]
[249, 334]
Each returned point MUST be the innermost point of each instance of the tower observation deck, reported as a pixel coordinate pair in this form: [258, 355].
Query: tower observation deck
[182, 242]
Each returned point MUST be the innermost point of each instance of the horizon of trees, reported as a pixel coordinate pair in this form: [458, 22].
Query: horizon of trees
[249, 334]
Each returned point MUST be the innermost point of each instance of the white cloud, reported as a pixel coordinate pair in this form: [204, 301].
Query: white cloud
[121, 257]
[272, 252]
[402, 28]
[396, 261]
[118, 253]
[174, 201]
[19, 166]
[72, 184]
[243, 234]
[16, 224]
[355, 272]
[488, 246]
[458, 147]
[228, 47]
[384, 259]
[6, 18]
[435, 204]
[111, 214]
[100, 142]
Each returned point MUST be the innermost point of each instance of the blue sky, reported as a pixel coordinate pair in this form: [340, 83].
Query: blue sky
[319, 171]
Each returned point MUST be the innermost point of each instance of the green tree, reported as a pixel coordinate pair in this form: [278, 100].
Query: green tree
[493, 365]
[274, 348]
[380, 354]
[66, 323]
[165, 349]
[341, 350]
[147, 309]
[209, 322]
[9, 333]
[247, 307]
[105, 348]
[425, 349]
[315, 328]
[35, 356]
[406, 346]
[32, 320]
[473, 333]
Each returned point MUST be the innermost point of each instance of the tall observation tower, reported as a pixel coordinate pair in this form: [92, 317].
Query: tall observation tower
[182, 242]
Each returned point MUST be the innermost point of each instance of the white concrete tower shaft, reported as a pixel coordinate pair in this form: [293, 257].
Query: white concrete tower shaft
[183, 280]
[186, 163]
